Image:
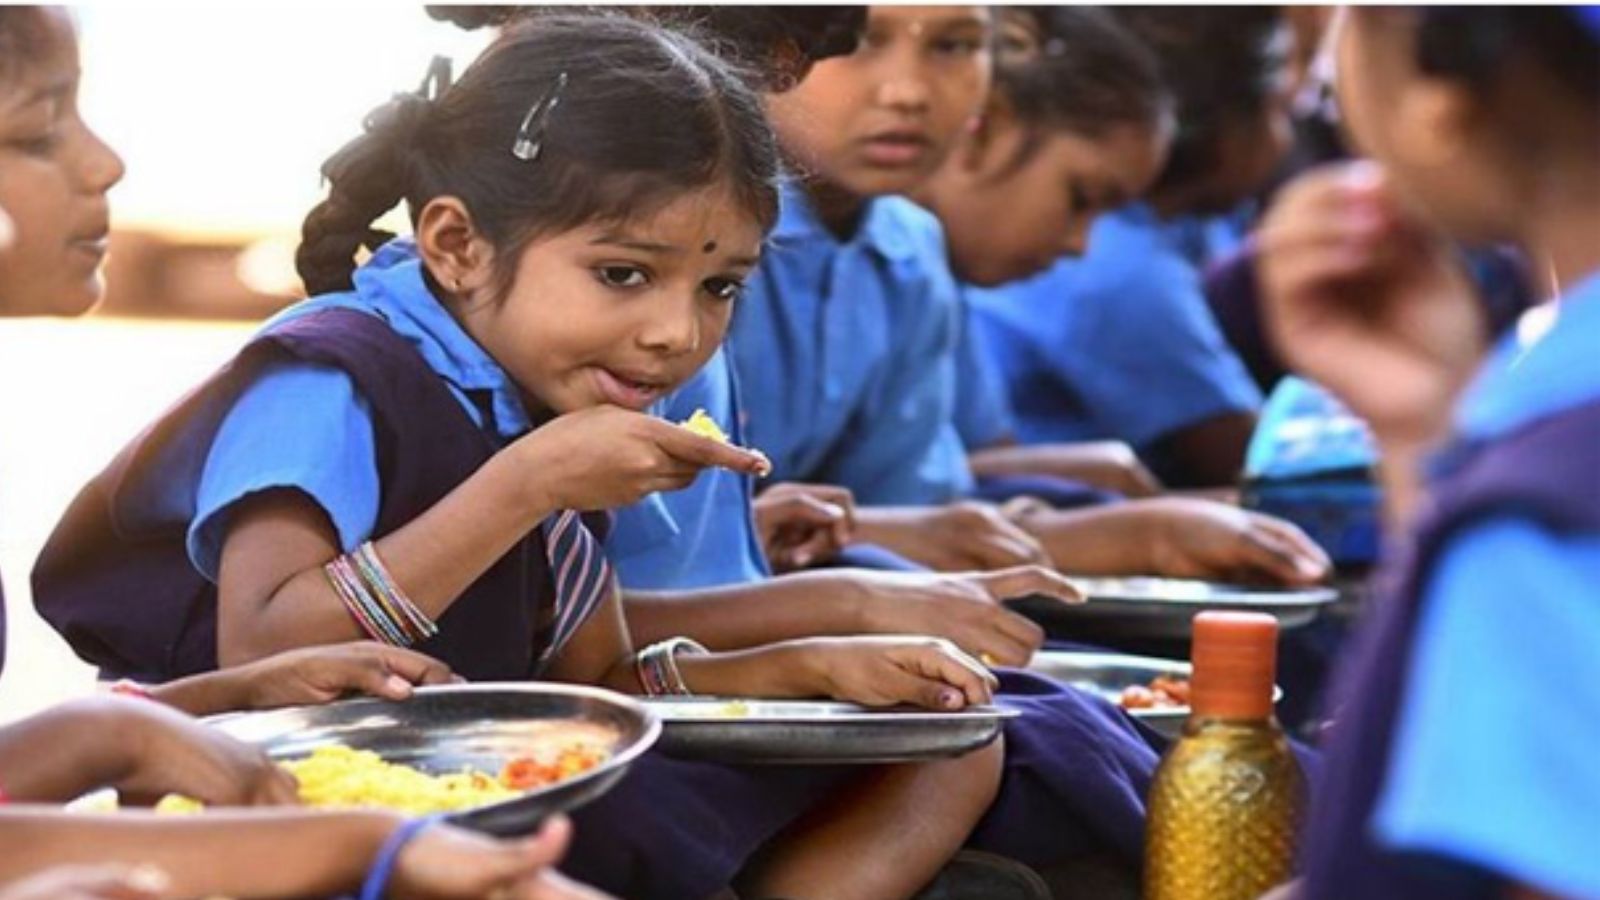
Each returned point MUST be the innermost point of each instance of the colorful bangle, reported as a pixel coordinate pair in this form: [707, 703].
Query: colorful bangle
[359, 604]
[373, 599]
[376, 884]
[657, 666]
[378, 575]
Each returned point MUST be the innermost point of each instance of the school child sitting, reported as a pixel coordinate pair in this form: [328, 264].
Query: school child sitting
[1478, 655]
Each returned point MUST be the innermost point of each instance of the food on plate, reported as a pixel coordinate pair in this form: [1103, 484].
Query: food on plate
[1163, 692]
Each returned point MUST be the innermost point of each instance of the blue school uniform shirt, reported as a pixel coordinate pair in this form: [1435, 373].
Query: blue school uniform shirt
[305, 426]
[844, 352]
[1493, 761]
[703, 535]
[983, 416]
[1119, 343]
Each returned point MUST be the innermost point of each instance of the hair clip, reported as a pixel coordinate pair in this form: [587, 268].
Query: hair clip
[530, 136]
[437, 80]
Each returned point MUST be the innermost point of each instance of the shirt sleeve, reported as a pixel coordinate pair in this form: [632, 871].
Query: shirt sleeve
[301, 426]
[902, 446]
[1494, 756]
[982, 408]
[1145, 355]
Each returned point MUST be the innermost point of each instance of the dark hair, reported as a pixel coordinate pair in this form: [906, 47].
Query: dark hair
[1221, 67]
[1475, 44]
[747, 34]
[644, 114]
[25, 38]
[1082, 73]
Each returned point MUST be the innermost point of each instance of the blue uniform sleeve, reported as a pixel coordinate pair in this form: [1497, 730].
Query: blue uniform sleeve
[1146, 356]
[300, 426]
[901, 447]
[982, 408]
[1494, 758]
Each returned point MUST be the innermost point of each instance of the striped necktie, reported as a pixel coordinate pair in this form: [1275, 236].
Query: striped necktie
[580, 572]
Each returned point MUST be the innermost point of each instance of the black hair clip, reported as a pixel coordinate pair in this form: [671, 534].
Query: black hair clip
[437, 81]
[530, 136]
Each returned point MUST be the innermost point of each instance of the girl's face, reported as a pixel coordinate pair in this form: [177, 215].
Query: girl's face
[1419, 128]
[883, 118]
[1004, 220]
[621, 313]
[54, 175]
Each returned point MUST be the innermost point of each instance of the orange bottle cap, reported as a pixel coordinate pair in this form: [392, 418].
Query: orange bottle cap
[1235, 656]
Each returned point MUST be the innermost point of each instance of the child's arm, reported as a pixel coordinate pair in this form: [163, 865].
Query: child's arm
[278, 853]
[958, 537]
[306, 676]
[1111, 465]
[965, 608]
[929, 672]
[141, 748]
[1178, 538]
[274, 596]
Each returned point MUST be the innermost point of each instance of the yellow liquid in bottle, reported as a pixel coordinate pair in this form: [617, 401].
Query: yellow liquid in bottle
[1225, 811]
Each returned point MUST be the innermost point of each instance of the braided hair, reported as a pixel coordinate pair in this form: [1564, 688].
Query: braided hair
[645, 114]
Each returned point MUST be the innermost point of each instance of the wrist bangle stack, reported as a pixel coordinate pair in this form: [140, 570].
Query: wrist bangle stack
[374, 601]
[657, 666]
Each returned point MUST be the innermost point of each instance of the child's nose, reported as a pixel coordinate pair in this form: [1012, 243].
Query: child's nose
[100, 167]
[905, 91]
[672, 334]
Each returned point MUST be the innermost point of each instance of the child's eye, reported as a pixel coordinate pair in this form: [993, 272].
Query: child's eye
[957, 46]
[37, 145]
[621, 276]
[726, 289]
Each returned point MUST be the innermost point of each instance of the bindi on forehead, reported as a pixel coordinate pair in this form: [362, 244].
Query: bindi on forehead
[710, 247]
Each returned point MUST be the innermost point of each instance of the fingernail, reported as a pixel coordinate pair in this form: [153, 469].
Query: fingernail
[949, 699]
[1363, 175]
[398, 685]
[1310, 567]
[149, 879]
[803, 558]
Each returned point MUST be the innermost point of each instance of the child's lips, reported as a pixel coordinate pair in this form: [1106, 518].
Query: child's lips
[620, 390]
[895, 148]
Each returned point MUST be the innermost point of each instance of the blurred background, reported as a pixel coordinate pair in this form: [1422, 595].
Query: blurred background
[223, 114]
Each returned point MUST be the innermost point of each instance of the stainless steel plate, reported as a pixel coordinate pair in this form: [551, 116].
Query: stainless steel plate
[1106, 674]
[447, 728]
[779, 731]
[1165, 607]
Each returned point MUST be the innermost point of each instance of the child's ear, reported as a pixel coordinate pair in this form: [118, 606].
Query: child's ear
[984, 143]
[1435, 121]
[456, 253]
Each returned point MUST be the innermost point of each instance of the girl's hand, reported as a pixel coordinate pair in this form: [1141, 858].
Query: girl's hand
[803, 523]
[606, 457]
[1201, 539]
[966, 608]
[107, 882]
[1364, 301]
[447, 862]
[166, 752]
[955, 538]
[306, 676]
[324, 674]
[886, 671]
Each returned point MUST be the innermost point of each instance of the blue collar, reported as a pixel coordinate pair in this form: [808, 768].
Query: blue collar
[391, 285]
[881, 230]
[1539, 367]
